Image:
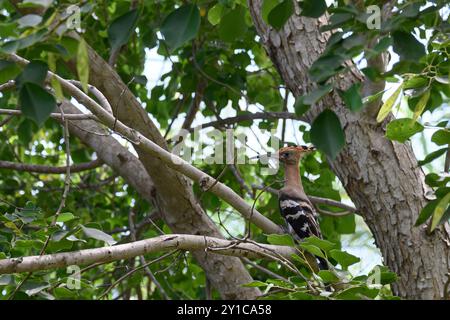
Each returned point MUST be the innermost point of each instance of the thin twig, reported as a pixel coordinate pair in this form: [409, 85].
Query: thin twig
[61, 204]
[37, 168]
[66, 183]
[265, 270]
[6, 120]
[131, 272]
[142, 259]
[235, 170]
[318, 200]
[447, 160]
[54, 115]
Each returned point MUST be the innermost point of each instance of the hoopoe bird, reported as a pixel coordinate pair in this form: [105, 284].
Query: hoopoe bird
[295, 207]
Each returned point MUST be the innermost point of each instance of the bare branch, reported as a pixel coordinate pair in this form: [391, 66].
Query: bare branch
[447, 160]
[220, 124]
[318, 200]
[264, 270]
[50, 169]
[171, 160]
[133, 249]
[80, 116]
[8, 85]
[144, 263]
[333, 203]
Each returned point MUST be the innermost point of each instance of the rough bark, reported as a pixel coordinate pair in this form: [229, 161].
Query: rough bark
[173, 195]
[111, 152]
[381, 177]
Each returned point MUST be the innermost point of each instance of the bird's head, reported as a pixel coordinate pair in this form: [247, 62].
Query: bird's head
[293, 154]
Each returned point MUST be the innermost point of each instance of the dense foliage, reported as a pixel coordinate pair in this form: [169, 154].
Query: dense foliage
[218, 66]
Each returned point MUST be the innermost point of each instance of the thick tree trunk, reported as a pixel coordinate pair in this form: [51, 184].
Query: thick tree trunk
[381, 177]
[172, 193]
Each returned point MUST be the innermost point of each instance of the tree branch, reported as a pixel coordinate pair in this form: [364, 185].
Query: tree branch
[318, 200]
[206, 181]
[133, 249]
[50, 169]
[219, 124]
[80, 116]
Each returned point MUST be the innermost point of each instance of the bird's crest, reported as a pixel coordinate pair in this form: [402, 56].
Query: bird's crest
[299, 149]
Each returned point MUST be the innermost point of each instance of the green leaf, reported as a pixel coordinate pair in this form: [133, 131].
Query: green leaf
[374, 97]
[300, 107]
[29, 20]
[325, 67]
[36, 103]
[317, 94]
[280, 239]
[437, 180]
[299, 259]
[313, 8]
[388, 105]
[121, 29]
[386, 276]
[421, 104]
[267, 7]
[407, 46]
[357, 293]
[34, 288]
[35, 4]
[254, 284]
[352, 97]
[325, 245]
[279, 15]
[233, 26]
[181, 25]
[441, 137]
[345, 259]
[215, 14]
[328, 276]
[34, 72]
[439, 211]
[380, 47]
[346, 224]
[83, 64]
[66, 216]
[302, 296]
[415, 82]
[8, 71]
[326, 133]
[402, 129]
[98, 235]
[426, 212]
[25, 131]
[434, 155]
[312, 249]
[64, 293]
[15, 45]
[55, 83]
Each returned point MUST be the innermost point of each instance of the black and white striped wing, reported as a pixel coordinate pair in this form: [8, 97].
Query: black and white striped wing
[300, 217]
